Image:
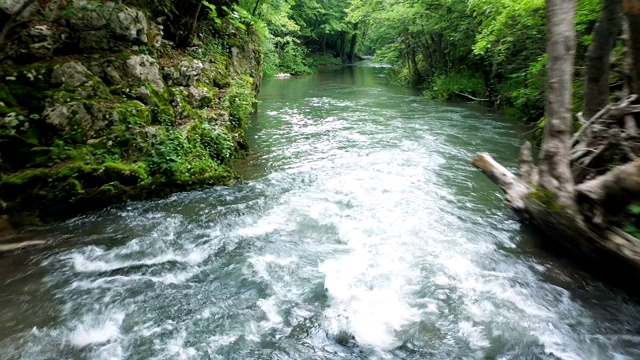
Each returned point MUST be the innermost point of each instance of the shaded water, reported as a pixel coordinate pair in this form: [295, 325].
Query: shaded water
[361, 232]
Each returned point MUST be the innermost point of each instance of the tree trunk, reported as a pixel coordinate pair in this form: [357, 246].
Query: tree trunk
[576, 216]
[605, 32]
[632, 12]
[354, 42]
[555, 160]
[255, 8]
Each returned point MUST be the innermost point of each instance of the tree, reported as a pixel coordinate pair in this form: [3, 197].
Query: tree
[632, 12]
[577, 215]
[605, 32]
[555, 160]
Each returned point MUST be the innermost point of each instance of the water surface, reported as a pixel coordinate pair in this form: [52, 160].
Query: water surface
[361, 232]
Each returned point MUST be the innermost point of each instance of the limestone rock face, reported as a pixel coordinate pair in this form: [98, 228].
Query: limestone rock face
[43, 40]
[71, 74]
[86, 120]
[186, 73]
[12, 6]
[86, 15]
[99, 106]
[144, 69]
[129, 23]
[97, 22]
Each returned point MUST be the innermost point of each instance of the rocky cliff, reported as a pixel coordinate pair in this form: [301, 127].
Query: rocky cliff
[101, 102]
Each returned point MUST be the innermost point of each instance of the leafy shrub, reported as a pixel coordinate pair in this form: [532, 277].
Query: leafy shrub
[453, 85]
[241, 99]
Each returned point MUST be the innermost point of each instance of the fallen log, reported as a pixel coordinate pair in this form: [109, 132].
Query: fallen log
[567, 225]
[515, 189]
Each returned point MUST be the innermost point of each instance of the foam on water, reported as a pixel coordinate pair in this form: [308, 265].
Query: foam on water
[96, 329]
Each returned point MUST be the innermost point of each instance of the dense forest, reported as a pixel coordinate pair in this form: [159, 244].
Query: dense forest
[485, 50]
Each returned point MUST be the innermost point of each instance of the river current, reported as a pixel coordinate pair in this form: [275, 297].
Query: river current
[360, 232]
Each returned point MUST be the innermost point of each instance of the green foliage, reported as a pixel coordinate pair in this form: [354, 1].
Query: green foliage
[212, 49]
[454, 85]
[322, 59]
[631, 222]
[286, 55]
[241, 98]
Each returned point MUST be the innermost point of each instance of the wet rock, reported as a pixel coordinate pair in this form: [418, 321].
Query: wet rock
[71, 74]
[345, 338]
[143, 69]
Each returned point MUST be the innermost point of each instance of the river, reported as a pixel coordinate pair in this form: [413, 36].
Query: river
[360, 232]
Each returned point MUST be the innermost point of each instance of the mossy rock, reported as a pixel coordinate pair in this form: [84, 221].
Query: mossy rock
[68, 189]
[27, 86]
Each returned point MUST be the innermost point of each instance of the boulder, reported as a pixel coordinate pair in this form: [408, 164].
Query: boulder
[129, 23]
[186, 73]
[83, 120]
[95, 21]
[42, 40]
[199, 97]
[72, 74]
[143, 69]
[86, 15]
[11, 7]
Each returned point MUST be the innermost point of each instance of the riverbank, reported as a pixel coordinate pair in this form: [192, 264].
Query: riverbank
[101, 104]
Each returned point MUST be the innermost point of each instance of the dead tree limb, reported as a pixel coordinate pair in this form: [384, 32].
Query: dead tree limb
[515, 189]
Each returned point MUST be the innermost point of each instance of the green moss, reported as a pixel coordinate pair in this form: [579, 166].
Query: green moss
[170, 143]
[49, 192]
[132, 112]
[28, 86]
[161, 112]
[548, 199]
[8, 103]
